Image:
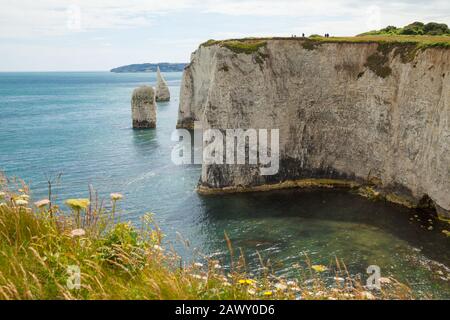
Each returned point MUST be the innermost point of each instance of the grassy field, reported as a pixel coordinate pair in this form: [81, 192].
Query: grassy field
[86, 253]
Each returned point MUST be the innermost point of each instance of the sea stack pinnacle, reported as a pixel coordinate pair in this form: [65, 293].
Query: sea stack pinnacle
[143, 108]
[162, 90]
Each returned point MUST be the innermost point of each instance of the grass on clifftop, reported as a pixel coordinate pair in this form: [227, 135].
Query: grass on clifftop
[250, 45]
[247, 46]
[42, 248]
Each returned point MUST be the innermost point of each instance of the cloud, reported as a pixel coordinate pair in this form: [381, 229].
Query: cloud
[27, 18]
[30, 18]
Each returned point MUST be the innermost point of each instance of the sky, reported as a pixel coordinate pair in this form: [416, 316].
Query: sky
[91, 35]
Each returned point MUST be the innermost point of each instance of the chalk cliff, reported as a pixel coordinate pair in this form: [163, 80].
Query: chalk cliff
[366, 113]
[162, 90]
[143, 108]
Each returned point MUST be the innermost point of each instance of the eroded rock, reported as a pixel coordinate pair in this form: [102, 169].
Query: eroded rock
[162, 90]
[340, 117]
[143, 108]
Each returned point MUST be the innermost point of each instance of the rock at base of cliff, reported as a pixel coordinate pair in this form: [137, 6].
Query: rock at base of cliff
[143, 108]
[162, 90]
[442, 213]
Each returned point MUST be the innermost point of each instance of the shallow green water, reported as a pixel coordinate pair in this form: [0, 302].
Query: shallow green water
[79, 124]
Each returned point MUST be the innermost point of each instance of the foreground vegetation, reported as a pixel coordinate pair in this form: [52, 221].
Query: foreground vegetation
[42, 247]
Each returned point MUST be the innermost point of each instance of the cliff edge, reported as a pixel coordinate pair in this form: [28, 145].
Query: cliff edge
[358, 113]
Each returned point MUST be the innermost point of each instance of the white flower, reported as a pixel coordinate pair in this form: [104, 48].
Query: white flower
[291, 283]
[2, 195]
[77, 233]
[21, 202]
[156, 247]
[217, 266]
[116, 196]
[198, 264]
[251, 292]
[42, 203]
[280, 286]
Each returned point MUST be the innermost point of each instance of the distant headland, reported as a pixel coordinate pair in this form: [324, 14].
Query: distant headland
[151, 67]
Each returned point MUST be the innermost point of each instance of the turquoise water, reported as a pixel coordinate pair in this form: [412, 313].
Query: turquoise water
[79, 124]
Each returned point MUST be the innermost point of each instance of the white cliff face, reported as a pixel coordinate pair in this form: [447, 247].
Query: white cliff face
[162, 90]
[346, 111]
[143, 108]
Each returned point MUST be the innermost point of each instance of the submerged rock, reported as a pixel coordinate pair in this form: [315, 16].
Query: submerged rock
[162, 90]
[143, 108]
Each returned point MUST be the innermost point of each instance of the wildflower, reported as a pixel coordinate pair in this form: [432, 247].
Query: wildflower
[339, 279]
[384, 280]
[159, 248]
[77, 233]
[42, 203]
[268, 293]
[446, 232]
[2, 195]
[319, 293]
[367, 295]
[198, 265]
[116, 196]
[78, 204]
[319, 268]
[24, 197]
[251, 292]
[21, 202]
[280, 286]
[197, 276]
[217, 266]
[2, 204]
[295, 289]
[291, 283]
[246, 281]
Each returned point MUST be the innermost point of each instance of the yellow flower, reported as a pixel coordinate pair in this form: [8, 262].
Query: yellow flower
[116, 196]
[2, 195]
[268, 293]
[246, 281]
[42, 203]
[319, 268]
[78, 204]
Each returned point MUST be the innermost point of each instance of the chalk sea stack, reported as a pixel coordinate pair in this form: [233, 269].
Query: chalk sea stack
[349, 113]
[162, 90]
[143, 108]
